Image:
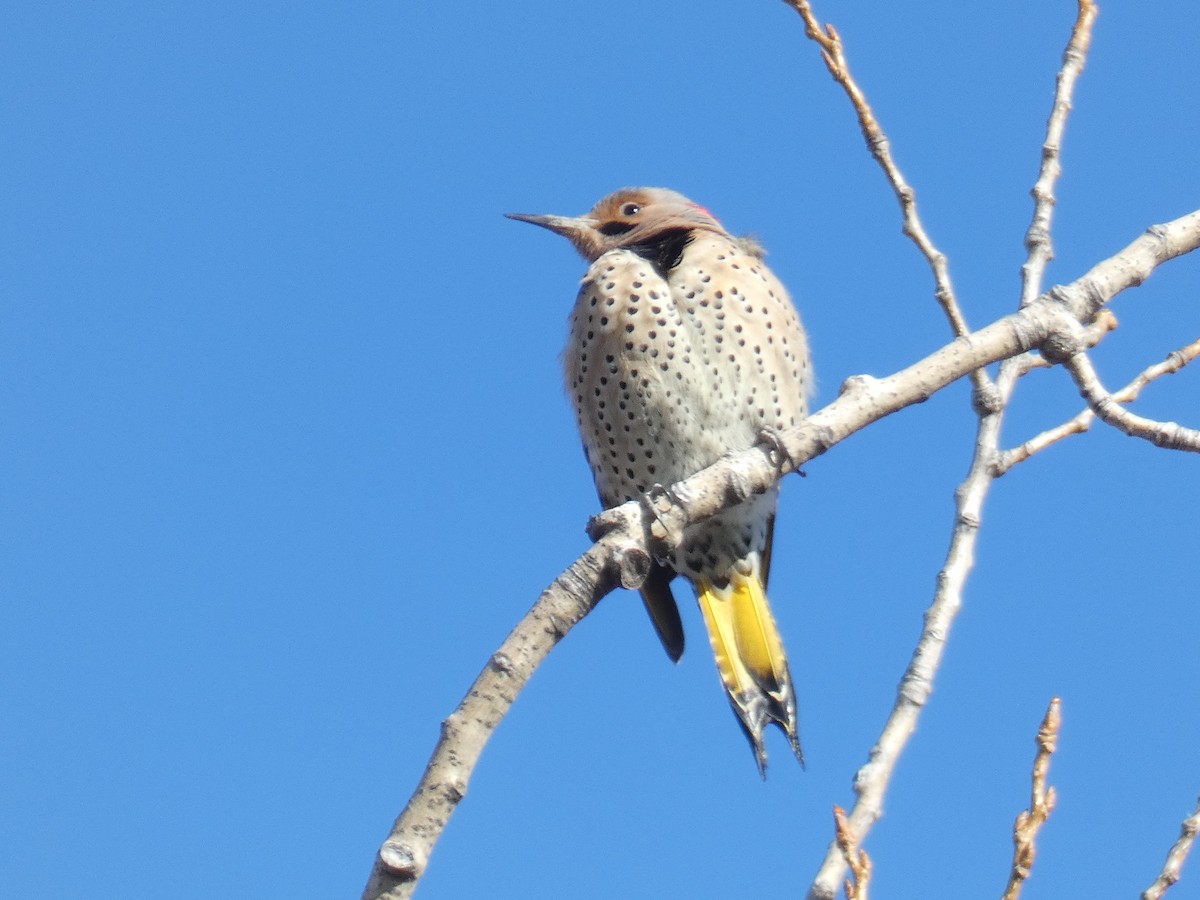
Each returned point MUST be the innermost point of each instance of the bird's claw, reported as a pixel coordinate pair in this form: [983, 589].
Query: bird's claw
[662, 504]
[772, 439]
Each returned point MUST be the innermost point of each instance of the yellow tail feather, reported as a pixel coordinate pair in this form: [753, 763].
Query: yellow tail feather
[750, 656]
[757, 635]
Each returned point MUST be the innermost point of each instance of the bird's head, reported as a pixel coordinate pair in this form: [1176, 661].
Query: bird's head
[628, 218]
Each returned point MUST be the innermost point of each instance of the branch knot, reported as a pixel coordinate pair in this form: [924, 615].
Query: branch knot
[1064, 342]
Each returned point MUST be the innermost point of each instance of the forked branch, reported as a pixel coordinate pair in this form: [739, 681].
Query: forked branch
[991, 400]
[1082, 421]
[1107, 407]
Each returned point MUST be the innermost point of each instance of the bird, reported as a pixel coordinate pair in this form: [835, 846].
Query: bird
[684, 347]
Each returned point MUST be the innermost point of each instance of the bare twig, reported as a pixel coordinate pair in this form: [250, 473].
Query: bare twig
[1108, 409]
[1037, 238]
[833, 52]
[1041, 804]
[1038, 244]
[1083, 420]
[873, 778]
[1175, 858]
[856, 886]
[632, 531]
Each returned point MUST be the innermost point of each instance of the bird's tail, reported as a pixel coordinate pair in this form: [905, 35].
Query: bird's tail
[750, 656]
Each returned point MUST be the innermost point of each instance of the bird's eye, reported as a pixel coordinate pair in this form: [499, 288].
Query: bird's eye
[630, 209]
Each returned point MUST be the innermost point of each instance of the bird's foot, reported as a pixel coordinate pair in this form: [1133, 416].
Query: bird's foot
[663, 507]
[772, 439]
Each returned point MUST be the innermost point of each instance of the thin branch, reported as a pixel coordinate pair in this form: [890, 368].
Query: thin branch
[1037, 238]
[1107, 407]
[873, 778]
[856, 858]
[1041, 804]
[1038, 244]
[1083, 420]
[1176, 857]
[634, 530]
[833, 52]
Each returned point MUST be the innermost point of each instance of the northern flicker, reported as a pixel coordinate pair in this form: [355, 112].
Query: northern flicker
[684, 347]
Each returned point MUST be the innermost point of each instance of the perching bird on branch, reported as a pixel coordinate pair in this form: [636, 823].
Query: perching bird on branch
[684, 347]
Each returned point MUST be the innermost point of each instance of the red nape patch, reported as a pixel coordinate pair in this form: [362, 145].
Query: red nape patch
[703, 210]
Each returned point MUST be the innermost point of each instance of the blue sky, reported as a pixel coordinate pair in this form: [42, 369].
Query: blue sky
[286, 453]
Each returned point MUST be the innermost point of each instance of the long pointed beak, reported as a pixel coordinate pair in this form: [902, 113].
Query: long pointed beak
[567, 226]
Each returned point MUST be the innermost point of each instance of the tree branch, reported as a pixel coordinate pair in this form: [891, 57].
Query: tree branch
[1041, 804]
[402, 858]
[856, 858]
[1176, 857]
[1083, 420]
[637, 528]
[1131, 266]
[833, 53]
[1037, 239]
[990, 404]
[1108, 409]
